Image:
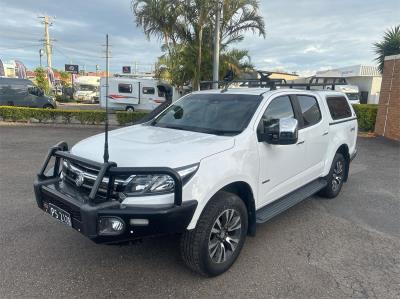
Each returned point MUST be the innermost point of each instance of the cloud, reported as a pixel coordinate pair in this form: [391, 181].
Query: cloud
[302, 36]
[313, 49]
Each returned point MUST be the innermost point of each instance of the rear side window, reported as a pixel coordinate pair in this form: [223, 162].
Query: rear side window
[338, 107]
[309, 110]
[148, 90]
[124, 88]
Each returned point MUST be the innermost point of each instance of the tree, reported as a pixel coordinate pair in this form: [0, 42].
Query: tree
[390, 45]
[41, 80]
[187, 28]
[65, 78]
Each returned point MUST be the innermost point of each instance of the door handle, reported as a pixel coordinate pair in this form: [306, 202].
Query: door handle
[325, 133]
[352, 129]
[300, 142]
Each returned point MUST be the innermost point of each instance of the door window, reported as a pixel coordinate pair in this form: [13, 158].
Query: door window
[124, 88]
[148, 90]
[309, 110]
[280, 107]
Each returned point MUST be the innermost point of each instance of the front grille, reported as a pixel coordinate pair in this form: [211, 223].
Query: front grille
[71, 171]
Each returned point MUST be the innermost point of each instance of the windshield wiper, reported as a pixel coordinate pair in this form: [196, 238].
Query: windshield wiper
[174, 127]
[200, 130]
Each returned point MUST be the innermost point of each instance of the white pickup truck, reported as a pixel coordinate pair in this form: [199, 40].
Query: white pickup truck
[210, 167]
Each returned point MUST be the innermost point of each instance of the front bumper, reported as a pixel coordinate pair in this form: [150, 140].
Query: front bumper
[86, 209]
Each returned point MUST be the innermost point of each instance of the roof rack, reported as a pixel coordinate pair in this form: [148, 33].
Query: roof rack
[266, 82]
[272, 85]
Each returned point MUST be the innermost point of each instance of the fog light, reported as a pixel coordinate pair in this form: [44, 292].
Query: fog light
[139, 222]
[108, 226]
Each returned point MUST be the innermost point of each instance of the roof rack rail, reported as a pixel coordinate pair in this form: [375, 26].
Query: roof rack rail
[272, 84]
[266, 82]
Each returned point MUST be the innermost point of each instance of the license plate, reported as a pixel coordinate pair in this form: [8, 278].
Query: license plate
[58, 213]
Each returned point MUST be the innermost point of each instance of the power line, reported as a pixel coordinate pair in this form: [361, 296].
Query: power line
[21, 47]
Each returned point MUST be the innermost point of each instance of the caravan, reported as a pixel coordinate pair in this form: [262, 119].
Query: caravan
[132, 94]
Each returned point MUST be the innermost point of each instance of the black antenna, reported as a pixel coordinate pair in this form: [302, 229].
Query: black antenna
[106, 155]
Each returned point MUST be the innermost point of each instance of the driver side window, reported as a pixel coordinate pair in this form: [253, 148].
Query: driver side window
[33, 90]
[280, 107]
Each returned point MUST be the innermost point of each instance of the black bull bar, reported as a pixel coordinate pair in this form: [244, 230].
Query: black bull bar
[107, 169]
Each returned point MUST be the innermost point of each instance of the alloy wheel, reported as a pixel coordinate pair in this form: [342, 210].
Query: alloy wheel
[337, 175]
[225, 236]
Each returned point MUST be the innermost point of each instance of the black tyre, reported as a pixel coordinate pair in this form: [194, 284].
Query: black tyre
[48, 106]
[335, 177]
[213, 246]
[129, 109]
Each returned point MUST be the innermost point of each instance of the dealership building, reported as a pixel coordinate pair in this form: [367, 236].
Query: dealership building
[367, 78]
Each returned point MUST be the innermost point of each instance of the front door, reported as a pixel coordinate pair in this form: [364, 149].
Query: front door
[281, 166]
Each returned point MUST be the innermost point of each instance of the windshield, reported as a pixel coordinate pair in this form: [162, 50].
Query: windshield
[220, 114]
[352, 96]
[83, 87]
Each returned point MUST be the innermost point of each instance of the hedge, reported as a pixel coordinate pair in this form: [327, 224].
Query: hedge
[124, 117]
[10, 113]
[366, 116]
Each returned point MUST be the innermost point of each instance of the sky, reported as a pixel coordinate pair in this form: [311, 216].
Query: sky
[303, 36]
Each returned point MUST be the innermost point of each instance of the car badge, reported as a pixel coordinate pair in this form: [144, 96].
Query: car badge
[79, 179]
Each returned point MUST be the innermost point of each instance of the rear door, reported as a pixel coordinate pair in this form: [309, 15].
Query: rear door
[315, 133]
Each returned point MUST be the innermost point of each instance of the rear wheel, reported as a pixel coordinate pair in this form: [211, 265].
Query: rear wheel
[335, 177]
[129, 109]
[213, 246]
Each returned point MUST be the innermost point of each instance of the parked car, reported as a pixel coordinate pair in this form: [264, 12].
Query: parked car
[211, 167]
[23, 93]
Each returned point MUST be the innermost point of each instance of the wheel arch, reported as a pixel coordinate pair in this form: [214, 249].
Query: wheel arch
[245, 192]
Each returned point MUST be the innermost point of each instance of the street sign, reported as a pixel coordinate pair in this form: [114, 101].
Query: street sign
[72, 68]
[126, 69]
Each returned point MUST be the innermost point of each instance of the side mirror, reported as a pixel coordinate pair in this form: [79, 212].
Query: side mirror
[279, 131]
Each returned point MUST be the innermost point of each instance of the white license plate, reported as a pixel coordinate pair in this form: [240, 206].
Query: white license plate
[58, 213]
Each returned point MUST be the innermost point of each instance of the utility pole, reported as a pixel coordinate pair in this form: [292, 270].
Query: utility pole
[216, 44]
[47, 21]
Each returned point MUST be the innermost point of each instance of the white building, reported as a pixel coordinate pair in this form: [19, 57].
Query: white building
[367, 78]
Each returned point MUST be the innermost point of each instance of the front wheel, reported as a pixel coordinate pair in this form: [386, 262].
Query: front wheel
[213, 246]
[335, 177]
[129, 109]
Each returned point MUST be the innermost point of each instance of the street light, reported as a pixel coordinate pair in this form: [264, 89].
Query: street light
[216, 44]
[41, 53]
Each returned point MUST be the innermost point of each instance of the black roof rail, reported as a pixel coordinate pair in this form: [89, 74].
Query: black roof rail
[272, 84]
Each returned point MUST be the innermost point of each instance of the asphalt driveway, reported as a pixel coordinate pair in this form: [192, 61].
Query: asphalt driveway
[346, 247]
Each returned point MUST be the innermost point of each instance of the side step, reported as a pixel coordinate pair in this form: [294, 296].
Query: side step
[282, 204]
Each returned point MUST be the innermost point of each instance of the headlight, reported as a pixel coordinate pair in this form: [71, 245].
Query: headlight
[158, 183]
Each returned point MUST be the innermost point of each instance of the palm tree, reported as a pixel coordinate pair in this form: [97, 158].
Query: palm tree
[390, 45]
[240, 16]
[189, 24]
[157, 18]
[236, 60]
